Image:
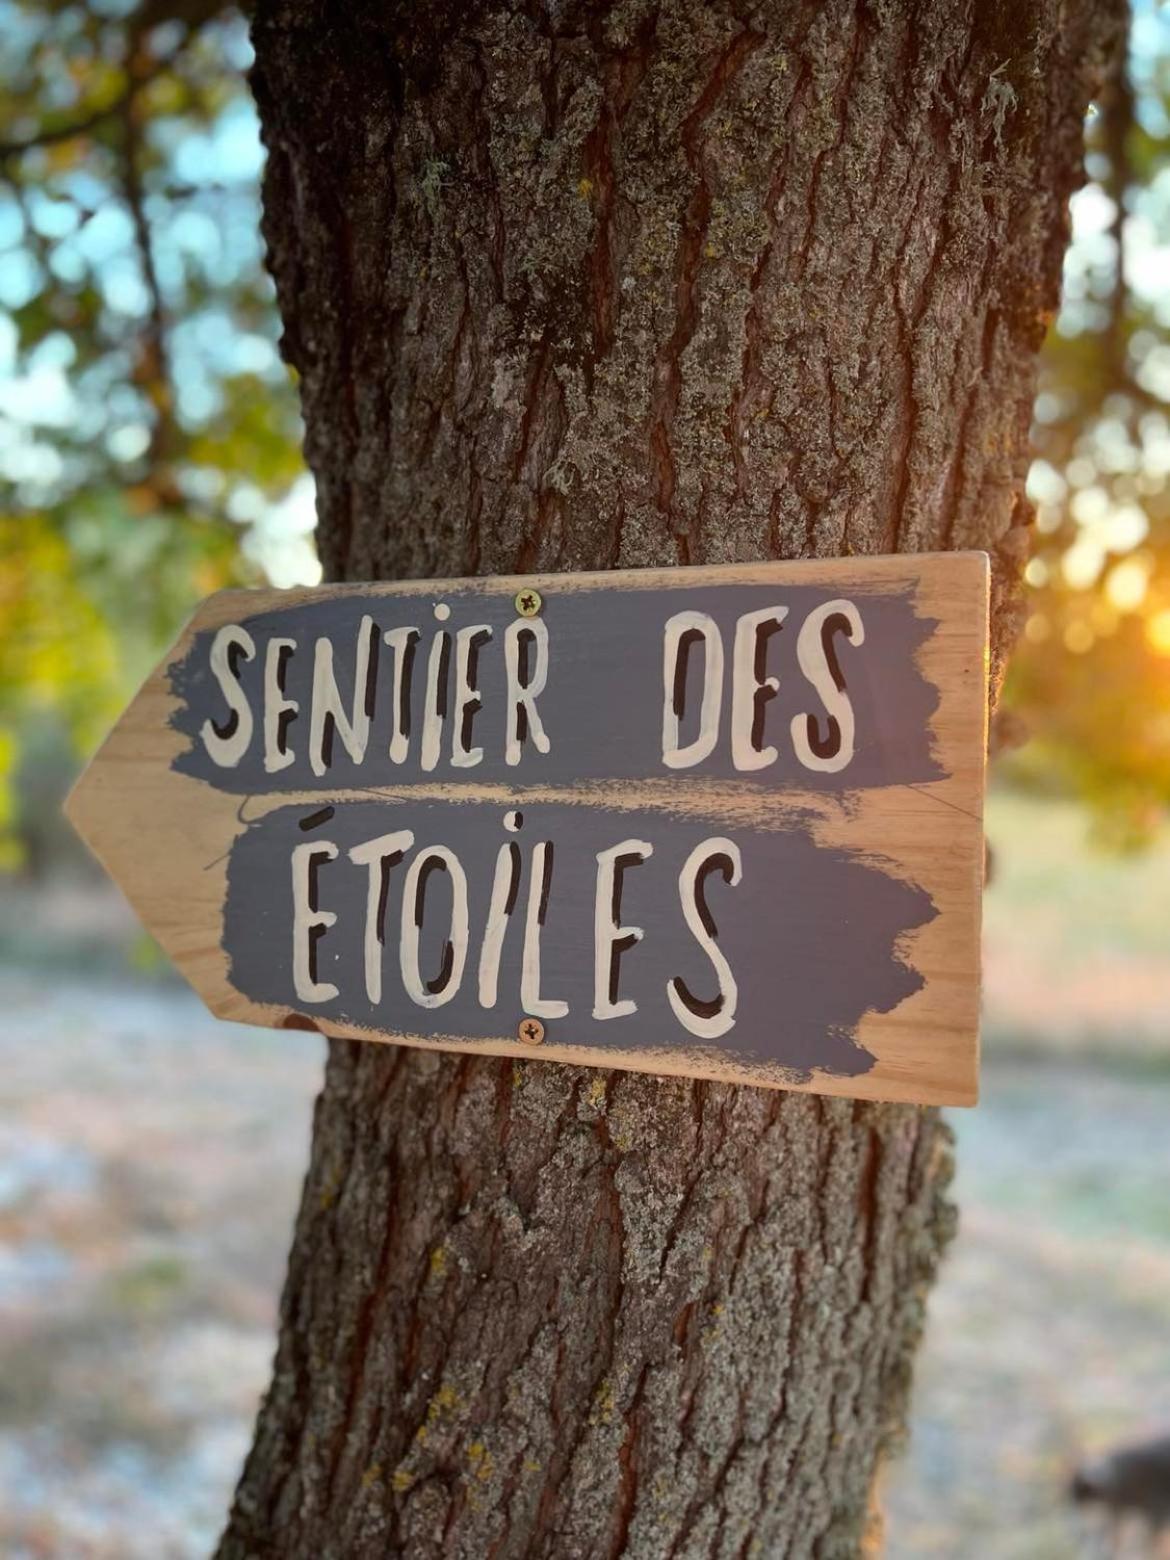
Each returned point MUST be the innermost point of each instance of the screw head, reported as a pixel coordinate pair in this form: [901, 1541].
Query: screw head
[528, 603]
[531, 1031]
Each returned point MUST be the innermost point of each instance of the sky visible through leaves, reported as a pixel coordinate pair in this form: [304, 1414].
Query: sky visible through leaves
[149, 433]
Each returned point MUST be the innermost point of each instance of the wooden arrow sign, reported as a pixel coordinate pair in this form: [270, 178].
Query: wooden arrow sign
[717, 822]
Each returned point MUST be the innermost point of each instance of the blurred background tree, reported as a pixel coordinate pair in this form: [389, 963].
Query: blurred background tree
[1091, 681]
[149, 437]
[149, 434]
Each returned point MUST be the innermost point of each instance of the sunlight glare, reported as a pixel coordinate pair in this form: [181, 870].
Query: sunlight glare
[1158, 632]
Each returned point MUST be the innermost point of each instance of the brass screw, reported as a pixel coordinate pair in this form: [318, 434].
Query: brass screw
[531, 1031]
[528, 603]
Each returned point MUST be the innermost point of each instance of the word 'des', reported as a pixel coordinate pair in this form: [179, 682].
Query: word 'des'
[723, 822]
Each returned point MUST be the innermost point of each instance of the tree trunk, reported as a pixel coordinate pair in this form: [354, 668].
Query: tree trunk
[584, 285]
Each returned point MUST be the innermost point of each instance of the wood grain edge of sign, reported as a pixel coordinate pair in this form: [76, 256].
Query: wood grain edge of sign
[895, 1085]
[133, 813]
[133, 810]
[884, 571]
[167, 843]
[167, 838]
[923, 1048]
[933, 1033]
[934, 834]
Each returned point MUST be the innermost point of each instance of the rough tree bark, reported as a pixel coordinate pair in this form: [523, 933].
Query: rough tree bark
[578, 285]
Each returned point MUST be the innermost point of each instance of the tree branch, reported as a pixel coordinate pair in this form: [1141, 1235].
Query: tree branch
[193, 14]
[56, 134]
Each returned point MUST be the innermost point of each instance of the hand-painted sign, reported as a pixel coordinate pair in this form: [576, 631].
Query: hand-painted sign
[718, 822]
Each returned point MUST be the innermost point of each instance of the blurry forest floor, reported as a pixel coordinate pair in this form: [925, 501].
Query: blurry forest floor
[150, 1162]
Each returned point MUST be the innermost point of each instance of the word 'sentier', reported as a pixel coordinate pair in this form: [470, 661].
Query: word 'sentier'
[719, 822]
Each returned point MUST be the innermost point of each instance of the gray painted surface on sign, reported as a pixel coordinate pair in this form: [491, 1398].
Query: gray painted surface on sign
[603, 703]
[811, 934]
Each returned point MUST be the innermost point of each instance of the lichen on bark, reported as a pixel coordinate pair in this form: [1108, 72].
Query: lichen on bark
[589, 285]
